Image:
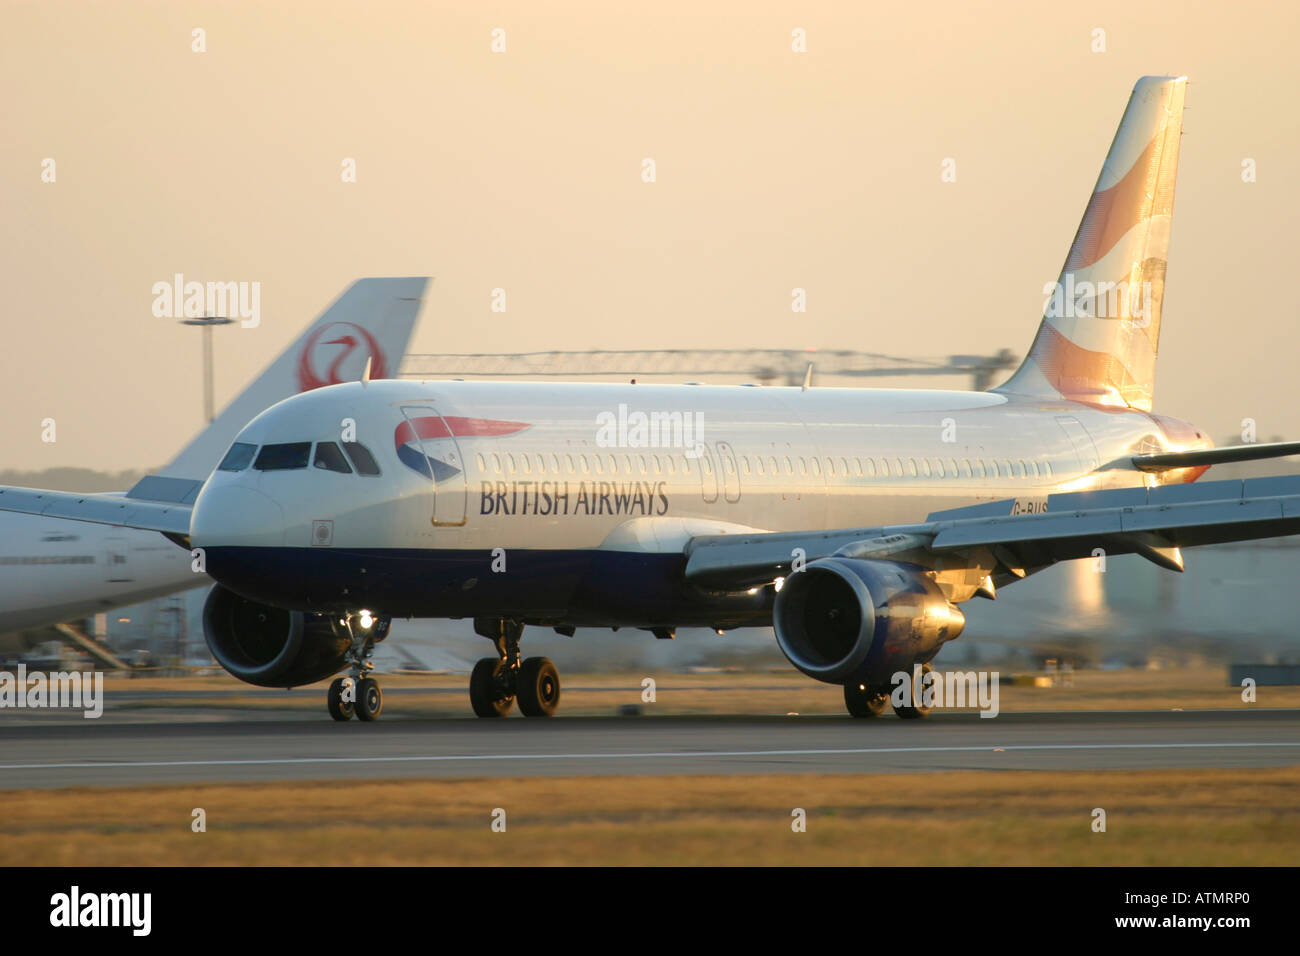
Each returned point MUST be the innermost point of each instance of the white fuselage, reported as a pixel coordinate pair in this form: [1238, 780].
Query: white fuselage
[565, 468]
[55, 570]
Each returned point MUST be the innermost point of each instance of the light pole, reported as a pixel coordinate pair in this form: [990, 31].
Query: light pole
[208, 321]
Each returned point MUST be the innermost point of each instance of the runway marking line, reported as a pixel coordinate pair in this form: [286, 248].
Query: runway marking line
[653, 755]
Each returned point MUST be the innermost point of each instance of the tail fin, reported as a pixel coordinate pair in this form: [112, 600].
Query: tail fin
[372, 320]
[1100, 331]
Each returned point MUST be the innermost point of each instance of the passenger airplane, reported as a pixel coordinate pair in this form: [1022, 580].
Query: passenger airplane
[853, 521]
[56, 570]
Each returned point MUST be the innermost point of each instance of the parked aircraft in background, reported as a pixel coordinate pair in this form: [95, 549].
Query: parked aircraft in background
[56, 570]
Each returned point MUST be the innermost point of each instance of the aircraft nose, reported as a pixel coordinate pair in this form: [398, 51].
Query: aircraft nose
[236, 516]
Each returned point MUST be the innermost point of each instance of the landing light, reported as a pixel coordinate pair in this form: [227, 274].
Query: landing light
[778, 584]
[366, 620]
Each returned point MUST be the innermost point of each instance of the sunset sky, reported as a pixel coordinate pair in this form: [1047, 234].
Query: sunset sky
[522, 170]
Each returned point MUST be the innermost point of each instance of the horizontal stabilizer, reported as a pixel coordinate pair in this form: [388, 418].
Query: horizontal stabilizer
[1215, 456]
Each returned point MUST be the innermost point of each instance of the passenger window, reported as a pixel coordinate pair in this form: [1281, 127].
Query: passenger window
[744, 465]
[527, 463]
[938, 468]
[482, 465]
[911, 467]
[237, 459]
[803, 466]
[496, 463]
[952, 467]
[670, 464]
[1034, 465]
[979, 467]
[285, 457]
[362, 460]
[871, 468]
[330, 458]
[965, 468]
[586, 468]
[1047, 468]
[758, 464]
[816, 467]
[1024, 472]
[773, 466]
[640, 461]
[1006, 464]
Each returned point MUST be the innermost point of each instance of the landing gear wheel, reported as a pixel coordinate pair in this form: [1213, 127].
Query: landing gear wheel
[539, 687]
[916, 710]
[864, 702]
[370, 699]
[340, 709]
[487, 685]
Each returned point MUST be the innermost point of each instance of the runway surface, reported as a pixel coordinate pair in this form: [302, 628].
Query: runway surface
[177, 750]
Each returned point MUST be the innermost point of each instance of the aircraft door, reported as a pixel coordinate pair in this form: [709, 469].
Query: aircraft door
[730, 472]
[1084, 448]
[117, 556]
[708, 473]
[439, 459]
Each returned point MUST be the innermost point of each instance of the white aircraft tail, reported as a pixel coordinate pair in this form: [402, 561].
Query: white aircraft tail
[1100, 331]
[370, 322]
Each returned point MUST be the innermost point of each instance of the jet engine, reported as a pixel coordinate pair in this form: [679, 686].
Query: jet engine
[843, 620]
[271, 647]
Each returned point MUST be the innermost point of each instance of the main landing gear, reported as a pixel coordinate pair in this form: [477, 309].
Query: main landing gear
[864, 701]
[496, 683]
[359, 694]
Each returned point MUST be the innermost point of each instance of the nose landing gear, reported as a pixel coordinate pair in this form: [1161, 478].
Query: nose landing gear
[496, 683]
[359, 694]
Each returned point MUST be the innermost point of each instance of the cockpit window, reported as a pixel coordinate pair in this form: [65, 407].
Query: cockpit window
[361, 458]
[330, 458]
[283, 457]
[237, 459]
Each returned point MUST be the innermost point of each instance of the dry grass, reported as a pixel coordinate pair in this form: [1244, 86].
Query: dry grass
[1207, 817]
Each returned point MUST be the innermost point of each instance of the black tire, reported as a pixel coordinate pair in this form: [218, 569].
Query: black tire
[862, 702]
[916, 710]
[539, 687]
[370, 699]
[485, 689]
[340, 709]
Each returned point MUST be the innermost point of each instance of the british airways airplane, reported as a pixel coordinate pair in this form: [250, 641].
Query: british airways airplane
[853, 521]
[57, 570]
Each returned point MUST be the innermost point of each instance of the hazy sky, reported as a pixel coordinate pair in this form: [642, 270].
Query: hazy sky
[522, 170]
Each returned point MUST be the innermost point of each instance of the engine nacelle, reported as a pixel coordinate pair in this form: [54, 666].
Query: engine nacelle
[847, 619]
[272, 647]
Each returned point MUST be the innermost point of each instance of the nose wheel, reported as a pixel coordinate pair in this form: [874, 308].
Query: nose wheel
[359, 694]
[496, 683]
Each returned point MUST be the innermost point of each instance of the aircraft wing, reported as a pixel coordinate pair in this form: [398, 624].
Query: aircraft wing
[1153, 522]
[169, 518]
